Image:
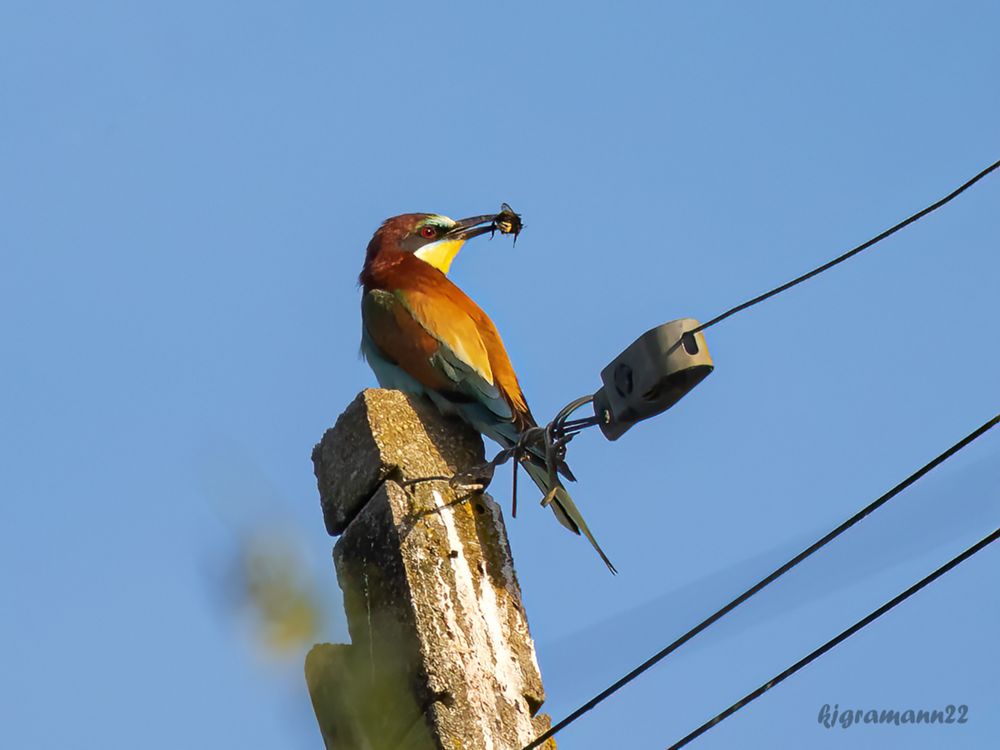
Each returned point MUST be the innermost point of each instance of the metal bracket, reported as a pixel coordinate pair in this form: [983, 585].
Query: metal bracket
[655, 372]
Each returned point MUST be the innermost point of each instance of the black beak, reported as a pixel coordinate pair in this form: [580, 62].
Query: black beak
[471, 227]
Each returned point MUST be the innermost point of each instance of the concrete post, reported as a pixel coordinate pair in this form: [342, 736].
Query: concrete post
[440, 654]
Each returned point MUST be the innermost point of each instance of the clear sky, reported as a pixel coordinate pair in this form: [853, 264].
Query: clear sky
[187, 189]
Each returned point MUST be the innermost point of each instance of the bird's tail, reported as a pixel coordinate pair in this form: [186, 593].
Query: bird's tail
[557, 498]
[553, 491]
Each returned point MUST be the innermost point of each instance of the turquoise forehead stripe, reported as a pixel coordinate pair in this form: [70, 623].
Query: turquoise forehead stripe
[441, 221]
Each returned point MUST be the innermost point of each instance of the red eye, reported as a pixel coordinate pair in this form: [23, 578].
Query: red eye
[428, 232]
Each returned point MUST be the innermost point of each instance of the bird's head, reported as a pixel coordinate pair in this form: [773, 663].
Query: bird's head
[433, 238]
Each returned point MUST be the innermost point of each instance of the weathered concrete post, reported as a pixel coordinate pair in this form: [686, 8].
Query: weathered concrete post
[440, 654]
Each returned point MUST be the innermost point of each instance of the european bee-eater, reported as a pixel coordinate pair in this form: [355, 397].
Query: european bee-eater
[422, 334]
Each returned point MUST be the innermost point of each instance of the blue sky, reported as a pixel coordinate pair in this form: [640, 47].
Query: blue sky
[187, 190]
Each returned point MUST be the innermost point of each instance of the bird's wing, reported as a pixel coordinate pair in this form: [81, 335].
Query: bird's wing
[436, 342]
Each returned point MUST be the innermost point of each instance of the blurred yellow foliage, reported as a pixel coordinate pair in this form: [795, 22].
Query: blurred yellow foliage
[279, 594]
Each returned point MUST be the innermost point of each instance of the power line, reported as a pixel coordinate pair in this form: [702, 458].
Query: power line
[781, 676]
[850, 253]
[835, 532]
[562, 431]
[773, 576]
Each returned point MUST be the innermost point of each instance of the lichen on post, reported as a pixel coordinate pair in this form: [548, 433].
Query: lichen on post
[440, 653]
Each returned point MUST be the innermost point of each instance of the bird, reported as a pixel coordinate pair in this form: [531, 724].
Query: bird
[421, 334]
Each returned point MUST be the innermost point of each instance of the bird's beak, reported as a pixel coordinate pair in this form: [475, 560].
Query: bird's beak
[441, 253]
[474, 226]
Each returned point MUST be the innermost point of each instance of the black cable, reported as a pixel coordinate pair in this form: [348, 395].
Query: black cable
[773, 576]
[830, 264]
[836, 532]
[780, 677]
[841, 258]
[849, 254]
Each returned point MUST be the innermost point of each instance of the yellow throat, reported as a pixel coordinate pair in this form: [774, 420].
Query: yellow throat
[440, 254]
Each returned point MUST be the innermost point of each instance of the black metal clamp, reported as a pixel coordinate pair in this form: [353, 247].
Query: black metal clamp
[655, 372]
